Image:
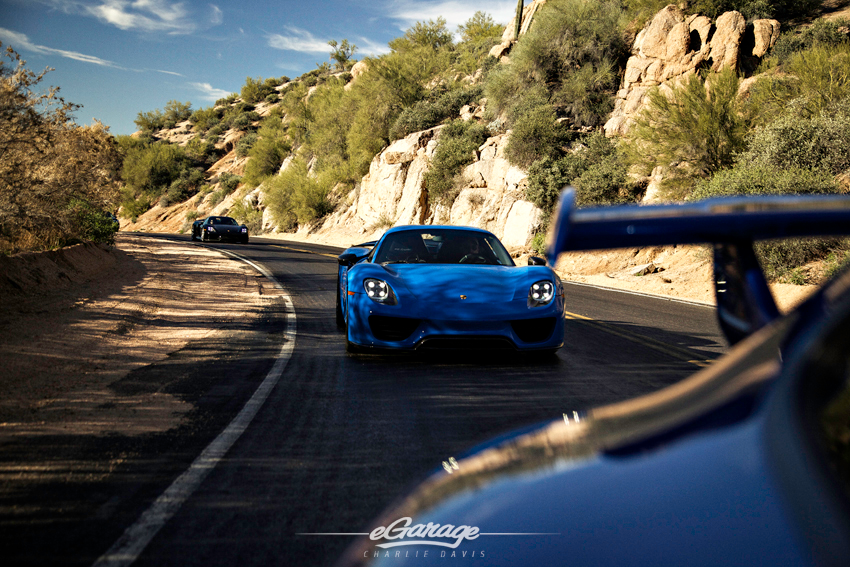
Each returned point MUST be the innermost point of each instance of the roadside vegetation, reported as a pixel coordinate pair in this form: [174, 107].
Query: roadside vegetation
[58, 180]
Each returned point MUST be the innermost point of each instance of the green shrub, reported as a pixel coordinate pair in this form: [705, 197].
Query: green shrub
[245, 143]
[182, 187]
[296, 197]
[215, 131]
[192, 215]
[205, 118]
[456, 144]
[200, 150]
[535, 134]
[217, 197]
[93, 224]
[268, 152]
[760, 179]
[426, 114]
[594, 166]
[691, 132]
[811, 82]
[228, 100]
[821, 142]
[228, 182]
[256, 90]
[821, 32]
[153, 168]
[272, 98]
[568, 59]
[173, 113]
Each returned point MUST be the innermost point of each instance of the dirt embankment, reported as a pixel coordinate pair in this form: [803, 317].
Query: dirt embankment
[75, 321]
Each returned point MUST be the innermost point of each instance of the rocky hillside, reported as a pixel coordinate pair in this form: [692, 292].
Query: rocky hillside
[492, 193]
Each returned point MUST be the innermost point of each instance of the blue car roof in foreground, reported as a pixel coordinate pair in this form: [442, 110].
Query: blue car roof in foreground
[710, 221]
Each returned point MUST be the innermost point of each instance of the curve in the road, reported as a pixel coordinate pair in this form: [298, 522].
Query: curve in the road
[130, 545]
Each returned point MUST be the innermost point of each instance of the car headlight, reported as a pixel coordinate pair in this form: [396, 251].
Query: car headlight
[210, 229]
[379, 291]
[244, 229]
[541, 293]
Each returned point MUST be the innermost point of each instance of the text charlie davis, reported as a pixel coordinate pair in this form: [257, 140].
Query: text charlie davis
[414, 553]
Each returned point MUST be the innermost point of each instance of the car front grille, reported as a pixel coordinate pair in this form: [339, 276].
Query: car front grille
[534, 330]
[392, 329]
[466, 344]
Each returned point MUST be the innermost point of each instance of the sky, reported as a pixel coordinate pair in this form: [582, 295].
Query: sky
[117, 58]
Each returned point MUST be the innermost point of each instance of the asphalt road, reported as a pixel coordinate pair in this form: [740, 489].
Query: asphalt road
[340, 437]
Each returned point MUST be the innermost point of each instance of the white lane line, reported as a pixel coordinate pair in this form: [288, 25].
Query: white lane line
[134, 540]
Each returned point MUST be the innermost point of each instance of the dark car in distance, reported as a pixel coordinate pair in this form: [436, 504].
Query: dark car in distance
[219, 229]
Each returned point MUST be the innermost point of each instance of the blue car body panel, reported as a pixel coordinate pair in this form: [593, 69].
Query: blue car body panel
[723, 468]
[448, 301]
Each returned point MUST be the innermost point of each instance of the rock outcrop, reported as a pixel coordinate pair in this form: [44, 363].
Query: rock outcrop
[508, 37]
[392, 193]
[673, 46]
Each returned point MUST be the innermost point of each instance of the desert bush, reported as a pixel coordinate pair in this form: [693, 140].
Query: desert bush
[594, 166]
[182, 187]
[568, 59]
[535, 134]
[817, 143]
[205, 118]
[200, 150]
[268, 152]
[173, 113]
[228, 100]
[272, 98]
[455, 148]
[821, 32]
[256, 90]
[754, 9]
[691, 131]
[153, 168]
[764, 179]
[426, 114]
[229, 181]
[296, 197]
[215, 131]
[245, 143]
[812, 81]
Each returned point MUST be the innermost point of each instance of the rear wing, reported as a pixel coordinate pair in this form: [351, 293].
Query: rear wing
[731, 225]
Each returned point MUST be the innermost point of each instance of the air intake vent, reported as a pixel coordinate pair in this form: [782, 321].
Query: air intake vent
[392, 329]
[534, 330]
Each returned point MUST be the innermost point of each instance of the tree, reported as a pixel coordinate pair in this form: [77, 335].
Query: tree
[432, 34]
[341, 54]
[479, 26]
[57, 179]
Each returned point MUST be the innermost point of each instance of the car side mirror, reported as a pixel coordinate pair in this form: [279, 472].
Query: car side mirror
[347, 260]
[536, 261]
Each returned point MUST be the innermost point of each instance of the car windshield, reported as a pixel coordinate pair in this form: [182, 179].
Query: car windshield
[221, 220]
[442, 246]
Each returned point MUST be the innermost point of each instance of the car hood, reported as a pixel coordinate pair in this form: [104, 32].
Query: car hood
[661, 479]
[479, 283]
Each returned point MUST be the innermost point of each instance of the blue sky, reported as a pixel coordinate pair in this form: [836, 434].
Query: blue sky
[119, 57]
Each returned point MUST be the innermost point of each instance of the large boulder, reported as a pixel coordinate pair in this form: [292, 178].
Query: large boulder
[673, 46]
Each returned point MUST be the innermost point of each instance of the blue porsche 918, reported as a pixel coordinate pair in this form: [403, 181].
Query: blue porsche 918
[446, 287]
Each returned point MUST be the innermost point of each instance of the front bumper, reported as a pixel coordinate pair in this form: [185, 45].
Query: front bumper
[428, 325]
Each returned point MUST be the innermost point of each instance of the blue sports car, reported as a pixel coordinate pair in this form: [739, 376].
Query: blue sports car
[446, 287]
[745, 463]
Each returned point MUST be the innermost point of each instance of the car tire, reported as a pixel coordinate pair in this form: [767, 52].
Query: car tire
[350, 347]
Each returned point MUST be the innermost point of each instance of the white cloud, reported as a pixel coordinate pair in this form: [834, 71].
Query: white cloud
[139, 15]
[217, 16]
[19, 41]
[209, 92]
[298, 40]
[144, 15]
[408, 12]
[166, 72]
[369, 47]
